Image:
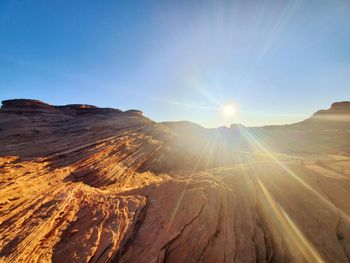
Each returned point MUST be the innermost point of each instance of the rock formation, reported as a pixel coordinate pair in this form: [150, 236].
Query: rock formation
[86, 184]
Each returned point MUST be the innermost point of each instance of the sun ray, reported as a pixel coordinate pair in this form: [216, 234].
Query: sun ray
[194, 170]
[250, 137]
[292, 234]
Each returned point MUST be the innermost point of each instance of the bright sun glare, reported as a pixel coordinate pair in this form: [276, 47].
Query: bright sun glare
[228, 110]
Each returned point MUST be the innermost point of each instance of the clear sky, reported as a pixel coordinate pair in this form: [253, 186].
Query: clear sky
[276, 61]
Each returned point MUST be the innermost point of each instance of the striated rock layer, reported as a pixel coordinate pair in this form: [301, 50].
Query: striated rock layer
[86, 184]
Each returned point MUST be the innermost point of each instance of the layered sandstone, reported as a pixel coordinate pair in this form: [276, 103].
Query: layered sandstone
[86, 184]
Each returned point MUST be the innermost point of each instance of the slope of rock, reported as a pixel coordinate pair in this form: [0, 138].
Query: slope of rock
[86, 184]
[336, 117]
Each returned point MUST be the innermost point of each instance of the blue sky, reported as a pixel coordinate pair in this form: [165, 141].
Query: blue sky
[276, 61]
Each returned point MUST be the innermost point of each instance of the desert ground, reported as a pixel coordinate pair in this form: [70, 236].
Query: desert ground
[85, 184]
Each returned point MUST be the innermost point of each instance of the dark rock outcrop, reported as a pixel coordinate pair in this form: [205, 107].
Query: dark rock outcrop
[337, 108]
[24, 103]
[136, 112]
[23, 106]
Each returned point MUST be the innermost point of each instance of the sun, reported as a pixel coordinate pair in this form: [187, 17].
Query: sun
[228, 110]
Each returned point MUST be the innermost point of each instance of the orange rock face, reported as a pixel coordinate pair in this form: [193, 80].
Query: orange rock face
[85, 184]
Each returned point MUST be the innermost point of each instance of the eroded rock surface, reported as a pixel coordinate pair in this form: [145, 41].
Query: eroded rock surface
[86, 184]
